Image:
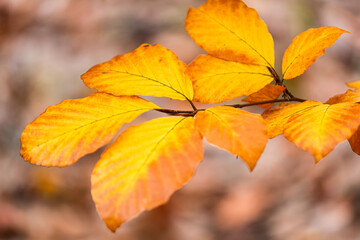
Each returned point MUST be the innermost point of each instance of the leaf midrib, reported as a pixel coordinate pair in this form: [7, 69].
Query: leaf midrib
[301, 52]
[149, 156]
[86, 125]
[154, 80]
[230, 128]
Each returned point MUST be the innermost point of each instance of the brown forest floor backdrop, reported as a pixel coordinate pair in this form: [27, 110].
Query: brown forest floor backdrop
[46, 44]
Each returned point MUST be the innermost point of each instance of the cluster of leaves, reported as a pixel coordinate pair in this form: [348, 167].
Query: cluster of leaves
[149, 161]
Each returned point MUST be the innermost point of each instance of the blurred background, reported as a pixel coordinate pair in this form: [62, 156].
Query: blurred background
[45, 45]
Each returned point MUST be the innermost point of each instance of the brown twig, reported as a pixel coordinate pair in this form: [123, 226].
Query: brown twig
[193, 113]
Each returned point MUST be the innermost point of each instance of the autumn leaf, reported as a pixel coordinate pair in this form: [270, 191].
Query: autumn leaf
[306, 48]
[349, 96]
[269, 92]
[354, 141]
[354, 97]
[67, 131]
[148, 70]
[318, 130]
[130, 178]
[354, 84]
[279, 115]
[217, 80]
[237, 131]
[232, 31]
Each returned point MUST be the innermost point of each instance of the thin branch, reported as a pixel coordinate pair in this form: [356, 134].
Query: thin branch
[192, 104]
[293, 99]
[178, 112]
[193, 113]
[275, 76]
[289, 93]
[286, 94]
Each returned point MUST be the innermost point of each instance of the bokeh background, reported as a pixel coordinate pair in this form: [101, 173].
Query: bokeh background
[45, 45]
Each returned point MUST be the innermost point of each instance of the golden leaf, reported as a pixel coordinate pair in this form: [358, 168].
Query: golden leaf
[306, 47]
[354, 141]
[319, 129]
[349, 96]
[279, 115]
[232, 31]
[354, 84]
[130, 178]
[67, 131]
[148, 70]
[267, 93]
[217, 80]
[237, 131]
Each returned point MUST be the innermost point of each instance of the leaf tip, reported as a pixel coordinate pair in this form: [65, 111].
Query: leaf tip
[112, 224]
[344, 31]
[251, 167]
[250, 164]
[319, 156]
[353, 84]
[317, 159]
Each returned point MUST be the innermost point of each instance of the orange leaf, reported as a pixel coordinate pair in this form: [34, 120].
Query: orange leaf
[354, 141]
[319, 129]
[279, 115]
[354, 84]
[306, 47]
[130, 178]
[269, 92]
[67, 131]
[148, 70]
[349, 96]
[237, 131]
[232, 31]
[217, 80]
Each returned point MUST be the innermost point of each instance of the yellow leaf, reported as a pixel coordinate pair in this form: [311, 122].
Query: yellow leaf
[349, 96]
[306, 47]
[67, 131]
[269, 92]
[144, 167]
[279, 115]
[217, 80]
[232, 31]
[237, 131]
[319, 129]
[148, 70]
[354, 141]
[354, 84]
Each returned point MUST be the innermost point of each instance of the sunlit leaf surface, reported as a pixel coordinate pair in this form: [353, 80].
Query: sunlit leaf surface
[69, 130]
[232, 31]
[144, 167]
[148, 70]
[237, 131]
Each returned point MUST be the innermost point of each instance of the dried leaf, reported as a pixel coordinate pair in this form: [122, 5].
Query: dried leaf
[67, 131]
[130, 178]
[269, 92]
[354, 84]
[319, 129]
[279, 115]
[237, 131]
[232, 31]
[349, 96]
[148, 70]
[354, 141]
[306, 47]
[217, 80]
